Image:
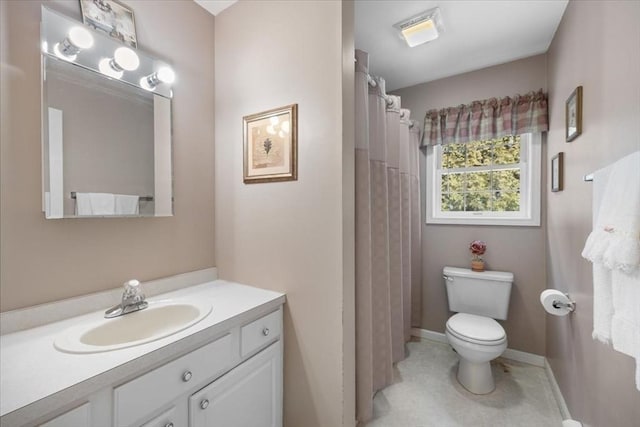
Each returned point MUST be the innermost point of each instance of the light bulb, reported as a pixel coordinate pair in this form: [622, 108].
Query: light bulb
[107, 69]
[59, 54]
[166, 75]
[163, 75]
[285, 126]
[274, 120]
[125, 59]
[271, 130]
[146, 85]
[80, 37]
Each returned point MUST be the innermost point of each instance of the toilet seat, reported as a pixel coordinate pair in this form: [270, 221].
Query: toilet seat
[476, 329]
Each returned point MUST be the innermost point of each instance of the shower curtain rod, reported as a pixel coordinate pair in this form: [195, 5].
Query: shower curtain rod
[373, 83]
[387, 98]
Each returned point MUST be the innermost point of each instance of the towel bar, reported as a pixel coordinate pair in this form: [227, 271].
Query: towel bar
[141, 198]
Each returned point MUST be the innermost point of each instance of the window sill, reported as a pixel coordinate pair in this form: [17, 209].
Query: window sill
[516, 222]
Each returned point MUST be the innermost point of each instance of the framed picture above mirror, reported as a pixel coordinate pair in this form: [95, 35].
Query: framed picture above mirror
[111, 18]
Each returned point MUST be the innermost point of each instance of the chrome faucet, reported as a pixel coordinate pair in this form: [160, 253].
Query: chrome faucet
[132, 300]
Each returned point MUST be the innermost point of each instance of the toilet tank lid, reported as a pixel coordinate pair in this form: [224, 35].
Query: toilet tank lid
[500, 276]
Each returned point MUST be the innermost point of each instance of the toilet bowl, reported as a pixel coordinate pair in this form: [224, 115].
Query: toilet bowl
[478, 298]
[477, 340]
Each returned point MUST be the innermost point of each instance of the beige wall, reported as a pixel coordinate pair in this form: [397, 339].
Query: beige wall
[596, 381]
[288, 236]
[45, 260]
[520, 250]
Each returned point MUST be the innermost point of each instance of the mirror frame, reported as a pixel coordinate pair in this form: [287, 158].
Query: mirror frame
[54, 29]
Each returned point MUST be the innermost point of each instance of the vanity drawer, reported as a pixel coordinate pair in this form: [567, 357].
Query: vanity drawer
[78, 417]
[143, 395]
[260, 332]
[175, 416]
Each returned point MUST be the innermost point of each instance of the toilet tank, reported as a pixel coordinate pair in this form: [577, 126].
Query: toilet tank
[484, 293]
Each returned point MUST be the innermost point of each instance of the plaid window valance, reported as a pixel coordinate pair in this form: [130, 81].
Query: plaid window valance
[488, 119]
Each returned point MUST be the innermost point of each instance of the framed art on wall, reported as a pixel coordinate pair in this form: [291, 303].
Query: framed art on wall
[111, 18]
[271, 145]
[573, 115]
[557, 172]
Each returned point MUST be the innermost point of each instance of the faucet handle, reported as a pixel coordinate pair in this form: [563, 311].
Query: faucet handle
[132, 291]
[133, 283]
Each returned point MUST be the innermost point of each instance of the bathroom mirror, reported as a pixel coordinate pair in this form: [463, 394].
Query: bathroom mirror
[106, 134]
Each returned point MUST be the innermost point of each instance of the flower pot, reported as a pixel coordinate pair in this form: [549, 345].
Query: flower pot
[477, 265]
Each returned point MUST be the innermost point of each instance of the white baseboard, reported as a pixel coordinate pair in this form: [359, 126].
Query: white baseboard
[555, 389]
[429, 335]
[517, 355]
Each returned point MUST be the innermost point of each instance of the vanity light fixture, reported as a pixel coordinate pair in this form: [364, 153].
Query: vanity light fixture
[163, 75]
[78, 38]
[422, 28]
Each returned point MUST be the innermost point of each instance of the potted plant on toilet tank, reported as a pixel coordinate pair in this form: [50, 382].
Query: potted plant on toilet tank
[477, 248]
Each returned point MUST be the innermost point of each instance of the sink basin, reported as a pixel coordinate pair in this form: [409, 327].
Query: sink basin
[158, 320]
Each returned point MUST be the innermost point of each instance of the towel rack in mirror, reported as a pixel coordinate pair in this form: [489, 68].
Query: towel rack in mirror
[141, 198]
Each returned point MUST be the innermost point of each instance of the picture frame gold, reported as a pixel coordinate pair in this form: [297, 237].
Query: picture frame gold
[573, 115]
[557, 172]
[111, 18]
[270, 145]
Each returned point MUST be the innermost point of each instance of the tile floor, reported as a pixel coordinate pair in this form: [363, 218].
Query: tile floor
[425, 393]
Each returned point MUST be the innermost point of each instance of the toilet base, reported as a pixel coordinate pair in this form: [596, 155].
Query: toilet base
[476, 377]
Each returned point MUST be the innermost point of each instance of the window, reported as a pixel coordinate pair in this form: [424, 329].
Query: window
[493, 182]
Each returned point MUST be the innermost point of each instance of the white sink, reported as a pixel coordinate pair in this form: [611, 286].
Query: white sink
[158, 320]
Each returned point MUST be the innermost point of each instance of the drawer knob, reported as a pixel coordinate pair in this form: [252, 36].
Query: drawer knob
[168, 425]
[265, 331]
[204, 404]
[186, 376]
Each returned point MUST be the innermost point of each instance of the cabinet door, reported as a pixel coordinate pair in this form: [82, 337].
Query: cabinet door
[248, 396]
[78, 417]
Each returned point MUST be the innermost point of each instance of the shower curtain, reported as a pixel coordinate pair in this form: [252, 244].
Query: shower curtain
[388, 253]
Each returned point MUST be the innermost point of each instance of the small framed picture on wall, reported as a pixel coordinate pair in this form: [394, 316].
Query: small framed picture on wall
[271, 145]
[111, 18]
[556, 172]
[573, 115]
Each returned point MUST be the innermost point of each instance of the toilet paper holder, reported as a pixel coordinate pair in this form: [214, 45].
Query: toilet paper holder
[571, 305]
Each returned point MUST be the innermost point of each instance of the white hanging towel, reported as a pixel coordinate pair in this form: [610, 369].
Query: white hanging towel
[126, 204]
[95, 204]
[614, 249]
[83, 204]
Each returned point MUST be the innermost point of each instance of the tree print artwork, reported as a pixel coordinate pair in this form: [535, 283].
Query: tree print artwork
[267, 146]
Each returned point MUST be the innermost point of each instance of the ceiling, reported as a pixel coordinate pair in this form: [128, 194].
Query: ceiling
[477, 34]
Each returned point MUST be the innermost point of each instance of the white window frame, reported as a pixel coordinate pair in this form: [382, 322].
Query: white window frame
[530, 177]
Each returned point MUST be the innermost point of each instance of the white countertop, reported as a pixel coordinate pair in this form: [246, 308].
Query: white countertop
[33, 372]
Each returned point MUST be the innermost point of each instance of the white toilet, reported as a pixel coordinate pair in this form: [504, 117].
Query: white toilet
[478, 298]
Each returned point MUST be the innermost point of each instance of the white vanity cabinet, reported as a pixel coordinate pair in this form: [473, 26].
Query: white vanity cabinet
[145, 394]
[232, 358]
[233, 381]
[248, 396]
[78, 417]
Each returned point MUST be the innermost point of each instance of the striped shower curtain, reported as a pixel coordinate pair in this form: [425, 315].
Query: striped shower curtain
[387, 235]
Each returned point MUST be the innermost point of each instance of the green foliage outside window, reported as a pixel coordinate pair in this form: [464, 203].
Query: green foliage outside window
[484, 189]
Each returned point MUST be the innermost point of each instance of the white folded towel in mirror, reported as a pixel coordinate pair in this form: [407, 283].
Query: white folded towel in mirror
[92, 204]
[127, 204]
